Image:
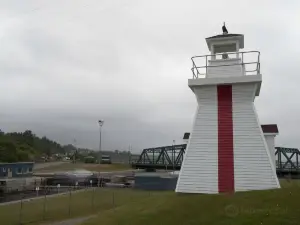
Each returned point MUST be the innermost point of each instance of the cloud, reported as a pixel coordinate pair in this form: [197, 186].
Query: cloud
[66, 64]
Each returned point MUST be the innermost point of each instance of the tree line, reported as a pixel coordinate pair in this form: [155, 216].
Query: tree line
[26, 146]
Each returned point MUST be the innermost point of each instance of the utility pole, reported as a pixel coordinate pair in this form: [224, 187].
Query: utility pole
[173, 155]
[100, 122]
[129, 154]
[75, 152]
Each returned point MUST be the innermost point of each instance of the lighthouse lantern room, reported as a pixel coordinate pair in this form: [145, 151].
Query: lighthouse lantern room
[226, 149]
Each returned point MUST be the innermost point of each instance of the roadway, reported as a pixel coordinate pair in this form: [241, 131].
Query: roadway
[38, 166]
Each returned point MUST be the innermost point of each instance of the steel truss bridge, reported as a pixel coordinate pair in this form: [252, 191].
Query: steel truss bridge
[166, 157]
[287, 161]
[171, 157]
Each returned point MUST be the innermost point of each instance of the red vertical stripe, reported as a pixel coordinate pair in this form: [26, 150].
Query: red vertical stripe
[225, 139]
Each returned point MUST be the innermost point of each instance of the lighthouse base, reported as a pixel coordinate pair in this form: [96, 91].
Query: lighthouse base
[227, 151]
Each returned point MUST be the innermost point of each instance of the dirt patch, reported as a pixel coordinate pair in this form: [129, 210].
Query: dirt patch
[75, 221]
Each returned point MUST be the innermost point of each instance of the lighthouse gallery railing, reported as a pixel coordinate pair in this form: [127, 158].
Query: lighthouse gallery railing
[250, 60]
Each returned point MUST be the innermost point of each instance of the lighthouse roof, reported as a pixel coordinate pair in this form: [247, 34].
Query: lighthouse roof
[224, 36]
[226, 40]
[269, 128]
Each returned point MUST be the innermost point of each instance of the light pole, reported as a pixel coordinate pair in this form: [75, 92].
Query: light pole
[173, 155]
[75, 152]
[101, 122]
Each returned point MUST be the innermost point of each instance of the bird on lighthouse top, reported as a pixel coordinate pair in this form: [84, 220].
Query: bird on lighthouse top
[224, 29]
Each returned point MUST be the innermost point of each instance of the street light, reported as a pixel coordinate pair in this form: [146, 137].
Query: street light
[75, 152]
[173, 154]
[101, 122]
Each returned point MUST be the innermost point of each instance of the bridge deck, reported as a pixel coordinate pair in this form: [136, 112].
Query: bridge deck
[171, 157]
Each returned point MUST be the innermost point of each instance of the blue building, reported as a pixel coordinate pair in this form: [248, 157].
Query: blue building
[16, 170]
[155, 181]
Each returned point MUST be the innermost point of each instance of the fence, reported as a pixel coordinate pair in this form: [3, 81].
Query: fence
[67, 202]
[250, 61]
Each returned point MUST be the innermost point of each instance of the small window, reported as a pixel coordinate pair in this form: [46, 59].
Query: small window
[19, 170]
[4, 169]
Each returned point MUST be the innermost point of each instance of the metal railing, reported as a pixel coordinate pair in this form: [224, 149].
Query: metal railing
[201, 71]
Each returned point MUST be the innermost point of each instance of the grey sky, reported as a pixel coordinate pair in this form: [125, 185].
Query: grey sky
[64, 64]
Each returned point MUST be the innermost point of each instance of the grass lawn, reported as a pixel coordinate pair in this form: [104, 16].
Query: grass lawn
[67, 166]
[79, 204]
[131, 207]
[281, 206]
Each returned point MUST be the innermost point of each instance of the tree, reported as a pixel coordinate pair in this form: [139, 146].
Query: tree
[24, 146]
[8, 152]
[89, 159]
[22, 156]
[28, 137]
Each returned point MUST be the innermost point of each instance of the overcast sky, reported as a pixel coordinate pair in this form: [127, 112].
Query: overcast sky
[64, 64]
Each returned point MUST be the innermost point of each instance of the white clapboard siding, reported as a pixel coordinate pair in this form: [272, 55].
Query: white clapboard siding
[253, 166]
[218, 69]
[270, 139]
[199, 170]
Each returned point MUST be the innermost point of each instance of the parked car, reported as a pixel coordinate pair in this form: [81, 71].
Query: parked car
[105, 159]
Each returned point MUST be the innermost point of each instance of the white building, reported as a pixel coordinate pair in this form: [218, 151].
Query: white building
[270, 132]
[226, 151]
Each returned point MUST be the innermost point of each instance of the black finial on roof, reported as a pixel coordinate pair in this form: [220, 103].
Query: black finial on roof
[224, 29]
[186, 136]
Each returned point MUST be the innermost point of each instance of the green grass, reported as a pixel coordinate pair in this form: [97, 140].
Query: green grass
[67, 166]
[63, 207]
[131, 207]
[281, 206]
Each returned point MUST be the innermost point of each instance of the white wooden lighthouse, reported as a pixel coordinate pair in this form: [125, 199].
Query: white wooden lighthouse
[226, 151]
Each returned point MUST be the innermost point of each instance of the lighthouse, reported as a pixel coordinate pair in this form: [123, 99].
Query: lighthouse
[227, 150]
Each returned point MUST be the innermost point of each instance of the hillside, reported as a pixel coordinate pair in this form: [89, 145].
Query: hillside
[26, 146]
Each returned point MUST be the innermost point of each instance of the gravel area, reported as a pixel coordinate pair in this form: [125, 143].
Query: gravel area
[38, 166]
